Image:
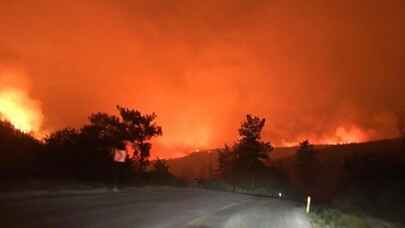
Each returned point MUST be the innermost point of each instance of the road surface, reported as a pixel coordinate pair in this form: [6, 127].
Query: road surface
[151, 207]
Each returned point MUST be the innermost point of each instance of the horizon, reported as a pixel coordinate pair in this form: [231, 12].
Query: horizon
[321, 71]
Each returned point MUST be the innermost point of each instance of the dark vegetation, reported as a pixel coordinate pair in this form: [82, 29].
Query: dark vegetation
[85, 154]
[245, 161]
[18, 151]
[364, 178]
[360, 181]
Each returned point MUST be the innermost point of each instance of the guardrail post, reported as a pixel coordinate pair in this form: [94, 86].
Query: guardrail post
[308, 209]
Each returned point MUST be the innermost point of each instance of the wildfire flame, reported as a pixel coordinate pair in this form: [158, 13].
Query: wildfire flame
[23, 112]
[342, 135]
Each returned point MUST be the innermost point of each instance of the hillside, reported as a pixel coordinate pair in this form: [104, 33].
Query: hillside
[369, 158]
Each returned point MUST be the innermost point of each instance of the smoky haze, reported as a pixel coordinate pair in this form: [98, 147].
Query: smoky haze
[315, 69]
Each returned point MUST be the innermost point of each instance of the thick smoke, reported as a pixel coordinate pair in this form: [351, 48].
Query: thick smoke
[329, 71]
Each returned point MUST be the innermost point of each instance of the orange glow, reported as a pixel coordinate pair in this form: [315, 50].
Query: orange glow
[201, 66]
[193, 139]
[347, 135]
[23, 112]
[342, 135]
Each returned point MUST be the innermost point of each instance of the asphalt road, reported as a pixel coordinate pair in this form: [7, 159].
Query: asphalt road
[151, 207]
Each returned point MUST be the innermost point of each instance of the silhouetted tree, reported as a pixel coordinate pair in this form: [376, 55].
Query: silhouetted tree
[251, 152]
[99, 138]
[226, 165]
[251, 129]
[88, 152]
[18, 151]
[139, 129]
[64, 154]
[307, 163]
[224, 161]
[79, 153]
[104, 130]
[305, 153]
[109, 132]
[247, 157]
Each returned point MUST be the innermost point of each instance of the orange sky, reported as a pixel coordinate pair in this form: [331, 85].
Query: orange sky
[315, 69]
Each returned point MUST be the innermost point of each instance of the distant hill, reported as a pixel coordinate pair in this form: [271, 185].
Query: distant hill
[204, 163]
[195, 165]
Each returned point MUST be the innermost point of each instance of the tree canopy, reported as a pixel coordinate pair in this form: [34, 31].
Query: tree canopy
[248, 155]
[18, 151]
[88, 150]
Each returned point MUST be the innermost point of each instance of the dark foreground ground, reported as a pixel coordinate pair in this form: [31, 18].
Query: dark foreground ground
[149, 207]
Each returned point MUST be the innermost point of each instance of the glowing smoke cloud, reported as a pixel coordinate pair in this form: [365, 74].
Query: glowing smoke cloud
[16, 106]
